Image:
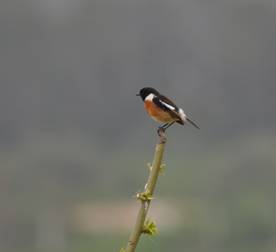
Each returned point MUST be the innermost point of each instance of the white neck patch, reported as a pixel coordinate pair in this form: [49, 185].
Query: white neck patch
[149, 97]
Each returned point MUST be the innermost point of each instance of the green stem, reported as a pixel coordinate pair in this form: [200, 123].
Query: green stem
[149, 189]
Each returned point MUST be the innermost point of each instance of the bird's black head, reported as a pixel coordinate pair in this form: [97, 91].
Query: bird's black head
[144, 92]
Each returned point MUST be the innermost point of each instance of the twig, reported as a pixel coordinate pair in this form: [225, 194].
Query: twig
[142, 225]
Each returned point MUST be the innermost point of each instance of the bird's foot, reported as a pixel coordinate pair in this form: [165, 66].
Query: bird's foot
[161, 134]
[163, 127]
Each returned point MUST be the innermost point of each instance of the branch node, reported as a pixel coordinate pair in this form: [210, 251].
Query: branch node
[144, 196]
[162, 168]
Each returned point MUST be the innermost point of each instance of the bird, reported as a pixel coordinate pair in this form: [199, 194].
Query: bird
[162, 109]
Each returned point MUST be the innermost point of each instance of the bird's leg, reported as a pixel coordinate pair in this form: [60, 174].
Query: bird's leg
[163, 127]
[167, 125]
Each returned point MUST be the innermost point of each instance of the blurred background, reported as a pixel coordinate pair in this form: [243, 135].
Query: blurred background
[75, 140]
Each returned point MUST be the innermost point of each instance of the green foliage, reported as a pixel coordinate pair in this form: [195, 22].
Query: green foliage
[149, 228]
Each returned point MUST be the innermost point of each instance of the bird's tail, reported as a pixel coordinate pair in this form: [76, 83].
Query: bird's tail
[191, 122]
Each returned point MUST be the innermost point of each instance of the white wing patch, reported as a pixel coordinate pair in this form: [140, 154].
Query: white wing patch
[167, 105]
[182, 115]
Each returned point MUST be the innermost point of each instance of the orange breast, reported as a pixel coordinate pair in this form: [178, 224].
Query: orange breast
[157, 114]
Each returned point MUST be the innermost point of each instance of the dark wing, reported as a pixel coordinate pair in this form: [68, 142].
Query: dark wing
[166, 104]
[167, 101]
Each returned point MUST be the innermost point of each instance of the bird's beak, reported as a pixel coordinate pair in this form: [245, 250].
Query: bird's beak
[137, 94]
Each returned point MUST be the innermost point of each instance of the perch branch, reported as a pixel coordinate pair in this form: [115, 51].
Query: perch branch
[142, 225]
